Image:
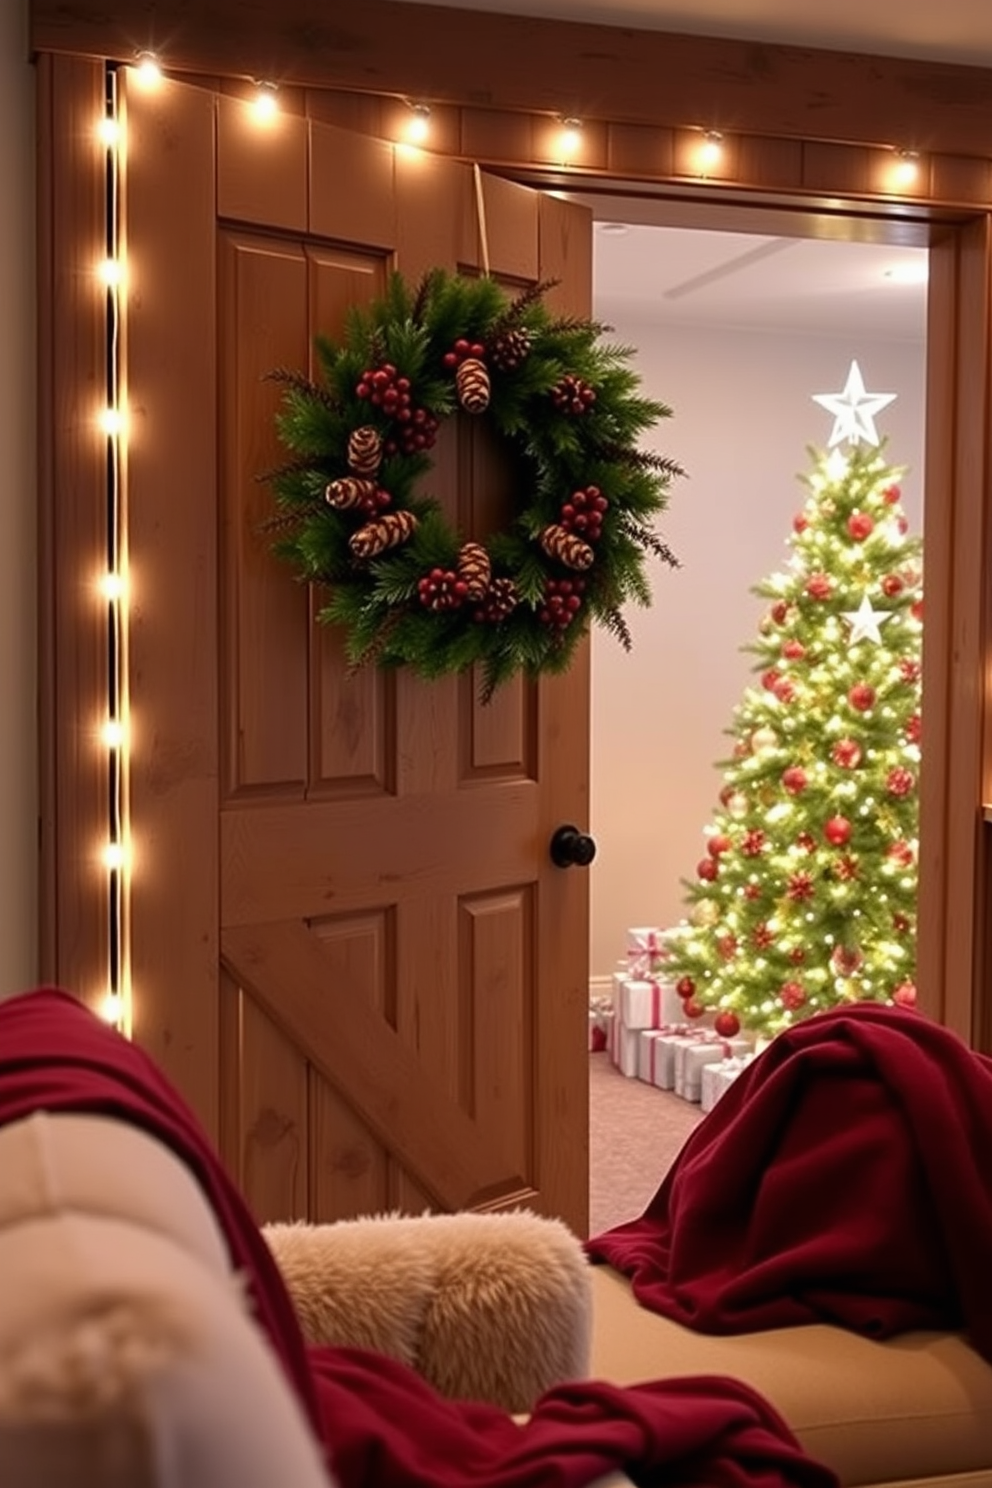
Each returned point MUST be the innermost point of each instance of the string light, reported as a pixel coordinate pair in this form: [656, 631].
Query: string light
[110, 272]
[906, 170]
[710, 151]
[418, 127]
[108, 132]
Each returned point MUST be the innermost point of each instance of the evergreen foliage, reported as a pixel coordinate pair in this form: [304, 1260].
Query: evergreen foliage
[554, 452]
[806, 896]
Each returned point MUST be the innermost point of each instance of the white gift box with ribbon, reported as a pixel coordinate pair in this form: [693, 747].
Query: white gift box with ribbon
[718, 1078]
[693, 1055]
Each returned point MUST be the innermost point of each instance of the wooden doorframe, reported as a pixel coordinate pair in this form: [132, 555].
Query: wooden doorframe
[818, 180]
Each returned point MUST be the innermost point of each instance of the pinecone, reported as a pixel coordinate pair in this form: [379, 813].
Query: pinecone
[441, 589]
[573, 395]
[474, 569]
[560, 544]
[365, 450]
[387, 532]
[510, 350]
[349, 492]
[500, 601]
[472, 383]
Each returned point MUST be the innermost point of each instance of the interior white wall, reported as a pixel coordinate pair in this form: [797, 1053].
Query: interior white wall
[18, 505]
[743, 421]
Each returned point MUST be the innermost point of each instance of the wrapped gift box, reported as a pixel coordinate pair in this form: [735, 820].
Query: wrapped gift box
[718, 1078]
[693, 1055]
[646, 951]
[648, 1003]
[626, 1043]
[659, 1058]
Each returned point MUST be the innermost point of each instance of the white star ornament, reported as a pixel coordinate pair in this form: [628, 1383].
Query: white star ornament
[854, 410]
[866, 622]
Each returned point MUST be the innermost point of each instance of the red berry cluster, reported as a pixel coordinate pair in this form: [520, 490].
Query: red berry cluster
[415, 428]
[461, 350]
[573, 395]
[376, 502]
[561, 603]
[441, 589]
[583, 513]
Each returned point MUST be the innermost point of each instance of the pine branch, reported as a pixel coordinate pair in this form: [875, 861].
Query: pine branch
[300, 466]
[283, 521]
[654, 544]
[300, 383]
[640, 459]
[517, 309]
[617, 626]
[424, 291]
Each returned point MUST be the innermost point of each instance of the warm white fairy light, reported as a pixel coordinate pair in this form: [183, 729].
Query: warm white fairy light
[108, 132]
[112, 586]
[570, 138]
[710, 151]
[906, 170]
[112, 422]
[113, 734]
[111, 1009]
[110, 272]
[114, 855]
[147, 69]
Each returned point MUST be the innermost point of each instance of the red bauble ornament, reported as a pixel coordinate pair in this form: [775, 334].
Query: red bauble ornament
[685, 987]
[800, 887]
[905, 995]
[754, 843]
[693, 1009]
[800, 522]
[706, 868]
[780, 612]
[727, 946]
[914, 728]
[900, 782]
[769, 679]
[860, 526]
[795, 779]
[784, 690]
[794, 650]
[837, 831]
[717, 845]
[916, 610]
[901, 924]
[891, 495]
[752, 891]
[902, 853]
[726, 793]
[797, 955]
[861, 697]
[847, 754]
[762, 937]
[819, 586]
[727, 1025]
[846, 960]
[792, 996]
[892, 585]
[903, 525]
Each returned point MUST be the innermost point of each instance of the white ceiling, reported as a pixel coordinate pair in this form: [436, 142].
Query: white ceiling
[793, 285]
[950, 31]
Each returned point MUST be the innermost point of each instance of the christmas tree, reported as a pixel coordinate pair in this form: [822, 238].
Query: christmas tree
[805, 897]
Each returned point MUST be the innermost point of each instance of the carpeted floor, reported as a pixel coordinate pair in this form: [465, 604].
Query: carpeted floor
[634, 1133]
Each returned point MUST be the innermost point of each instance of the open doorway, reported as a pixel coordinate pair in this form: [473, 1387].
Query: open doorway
[737, 332]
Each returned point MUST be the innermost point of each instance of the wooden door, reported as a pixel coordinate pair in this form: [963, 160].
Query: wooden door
[349, 946]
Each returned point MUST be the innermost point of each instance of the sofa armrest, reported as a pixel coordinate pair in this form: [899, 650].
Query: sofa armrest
[493, 1307]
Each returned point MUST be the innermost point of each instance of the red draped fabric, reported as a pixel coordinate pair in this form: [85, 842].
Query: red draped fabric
[845, 1177]
[382, 1426]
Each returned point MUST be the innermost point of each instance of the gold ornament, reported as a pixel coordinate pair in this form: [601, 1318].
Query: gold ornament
[365, 450]
[474, 570]
[558, 543]
[472, 384]
[705, 912]
[349, 492]
[386, 532]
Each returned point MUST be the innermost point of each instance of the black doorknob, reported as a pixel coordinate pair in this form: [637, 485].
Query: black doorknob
[570, 846]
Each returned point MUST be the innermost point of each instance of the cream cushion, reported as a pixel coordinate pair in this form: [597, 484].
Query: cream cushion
[914, 1410]
[127, 1355]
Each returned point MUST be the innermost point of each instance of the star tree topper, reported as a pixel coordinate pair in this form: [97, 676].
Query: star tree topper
[854, 410]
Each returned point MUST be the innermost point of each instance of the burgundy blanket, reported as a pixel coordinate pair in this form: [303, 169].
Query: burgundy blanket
[845, 1177]
[381, 1425]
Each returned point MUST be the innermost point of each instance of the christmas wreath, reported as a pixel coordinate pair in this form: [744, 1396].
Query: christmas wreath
[407, 587]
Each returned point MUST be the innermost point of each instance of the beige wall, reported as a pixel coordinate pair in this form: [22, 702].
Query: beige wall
[18, 670]
[743, 421]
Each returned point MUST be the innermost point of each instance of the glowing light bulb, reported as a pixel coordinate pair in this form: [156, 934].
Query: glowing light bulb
[419, 124]
[111, 1009]
[113, 855]
[113, 733]
[148, 69]
[113, 586]
[112, 422]
[265, 103]
[570, 139]
[711, 150]
[111, 272]
[108, 132]
[906, 170]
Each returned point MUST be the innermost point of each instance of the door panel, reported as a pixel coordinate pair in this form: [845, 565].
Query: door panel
[401, 986]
